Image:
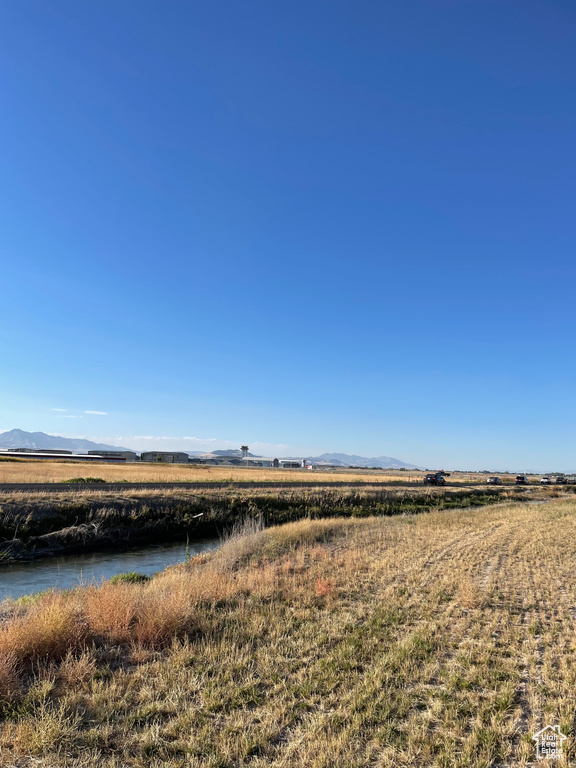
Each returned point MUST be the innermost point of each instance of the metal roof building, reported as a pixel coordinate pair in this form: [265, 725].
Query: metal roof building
[128, 455]
[166, 457]
[29, 456]
[258, 461]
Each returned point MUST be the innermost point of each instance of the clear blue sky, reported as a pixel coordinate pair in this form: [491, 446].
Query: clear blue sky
[328, 226]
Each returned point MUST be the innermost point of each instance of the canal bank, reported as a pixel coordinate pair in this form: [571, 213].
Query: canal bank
[41, 525]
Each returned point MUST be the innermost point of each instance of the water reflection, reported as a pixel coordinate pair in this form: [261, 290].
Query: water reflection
[71, 570]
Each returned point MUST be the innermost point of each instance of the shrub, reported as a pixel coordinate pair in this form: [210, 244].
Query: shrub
[242, 542]
[163, 615]
[47, 631]
[139, 614]
[112, 610]
[9, 679]
[133, 577]
[85, 480]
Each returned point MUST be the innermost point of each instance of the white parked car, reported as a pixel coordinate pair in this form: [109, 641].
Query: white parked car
[545, 480]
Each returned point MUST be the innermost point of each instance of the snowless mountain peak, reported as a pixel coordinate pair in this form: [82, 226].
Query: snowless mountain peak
[18, 438]
[347, 460]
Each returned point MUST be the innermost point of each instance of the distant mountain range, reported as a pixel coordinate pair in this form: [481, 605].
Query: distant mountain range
[233, 453]
[336, 459]
[17, 438]
[347, 460]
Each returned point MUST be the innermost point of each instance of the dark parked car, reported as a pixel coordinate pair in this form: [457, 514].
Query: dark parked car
[434, 478]
[560, 480]
[494, 481]
[521, 480]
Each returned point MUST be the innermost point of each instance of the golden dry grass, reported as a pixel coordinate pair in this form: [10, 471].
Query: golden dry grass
[443, 639]
[43, 471]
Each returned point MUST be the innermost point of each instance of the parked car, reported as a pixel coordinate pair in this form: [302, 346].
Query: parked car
[434, 478]
[521, 480]
[545, 480]
[494, 481]
[561, 480]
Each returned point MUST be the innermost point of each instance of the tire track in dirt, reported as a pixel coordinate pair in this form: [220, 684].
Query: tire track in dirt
[523, 597]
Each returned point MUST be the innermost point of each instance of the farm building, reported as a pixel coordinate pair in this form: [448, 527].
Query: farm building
[56, 451]
[128, 455]
[51, 456]
[259, 461]
[167, 457]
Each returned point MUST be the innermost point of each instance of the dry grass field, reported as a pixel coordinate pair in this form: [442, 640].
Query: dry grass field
[442, 639]
[29, 471]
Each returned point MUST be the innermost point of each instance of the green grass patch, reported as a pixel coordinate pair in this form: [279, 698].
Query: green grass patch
[133, 577]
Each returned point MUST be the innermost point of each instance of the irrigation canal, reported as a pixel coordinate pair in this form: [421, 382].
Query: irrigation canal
[67, 571]
[63, 487]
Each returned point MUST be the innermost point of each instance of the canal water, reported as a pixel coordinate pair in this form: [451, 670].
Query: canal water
[69, 571]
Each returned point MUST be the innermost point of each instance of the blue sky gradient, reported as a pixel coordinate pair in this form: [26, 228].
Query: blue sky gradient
[329, 226]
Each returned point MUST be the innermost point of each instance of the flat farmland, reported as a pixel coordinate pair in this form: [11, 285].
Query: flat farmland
[30, 471]
[430, 641]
